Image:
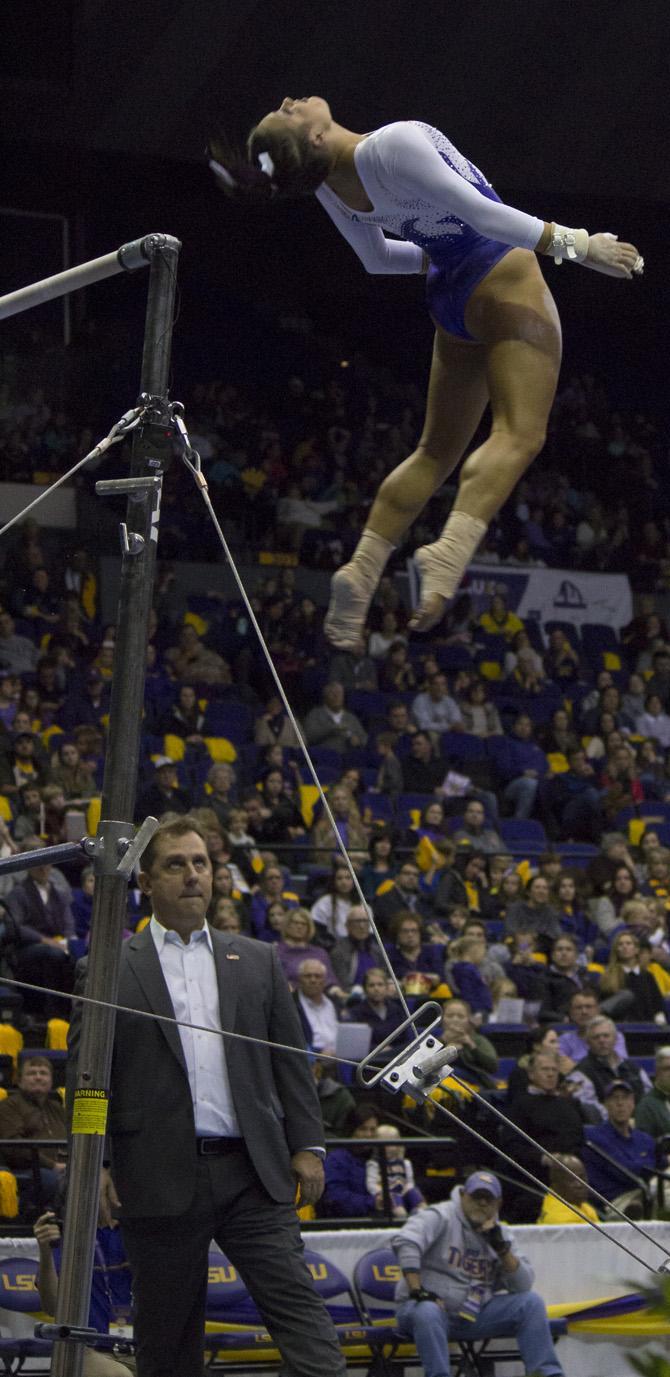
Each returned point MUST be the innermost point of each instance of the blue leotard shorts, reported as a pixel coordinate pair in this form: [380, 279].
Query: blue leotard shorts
[450, 282]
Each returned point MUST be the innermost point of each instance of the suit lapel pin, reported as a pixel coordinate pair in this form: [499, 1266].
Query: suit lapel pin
[232, 956]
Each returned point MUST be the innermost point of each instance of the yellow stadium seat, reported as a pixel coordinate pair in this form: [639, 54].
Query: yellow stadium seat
[9, 1195]
[611, 660]
[5, 808]
[557, 763]
[48, 732]
[490, 669]
[220, 748]
[192, 619]
[660, 976]
[93, 815]
[174, 746]
[308, 796]
[3, 1093]
[57, 1029]
[11, 1041]
[383, 888]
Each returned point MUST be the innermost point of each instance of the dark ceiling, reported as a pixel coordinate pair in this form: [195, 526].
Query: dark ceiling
[563, 103]
[546, 96]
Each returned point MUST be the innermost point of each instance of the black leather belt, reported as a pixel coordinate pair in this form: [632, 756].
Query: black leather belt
[217, 1147]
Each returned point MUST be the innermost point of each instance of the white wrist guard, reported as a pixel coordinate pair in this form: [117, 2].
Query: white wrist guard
[568, 243]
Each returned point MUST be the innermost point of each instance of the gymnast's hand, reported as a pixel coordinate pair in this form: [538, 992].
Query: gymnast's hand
[607, 255]
[309, 1175]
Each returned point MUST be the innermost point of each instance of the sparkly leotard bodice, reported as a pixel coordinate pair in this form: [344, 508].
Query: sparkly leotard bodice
[429, 195]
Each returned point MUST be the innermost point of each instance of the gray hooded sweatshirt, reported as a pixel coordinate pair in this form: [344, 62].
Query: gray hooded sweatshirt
[452, 1256]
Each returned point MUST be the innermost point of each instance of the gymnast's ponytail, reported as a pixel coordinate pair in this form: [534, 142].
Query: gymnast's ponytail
[274, 165]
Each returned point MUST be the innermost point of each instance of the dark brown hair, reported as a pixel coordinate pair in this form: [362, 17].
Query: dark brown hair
[177, 827]
[299, 167]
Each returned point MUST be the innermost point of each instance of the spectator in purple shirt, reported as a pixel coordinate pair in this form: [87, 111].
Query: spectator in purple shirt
[410, 956]
[521, 765]
[634, 1150]
[583, 1007]
[297, 945]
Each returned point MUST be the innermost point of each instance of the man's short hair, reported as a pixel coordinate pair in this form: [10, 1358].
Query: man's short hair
[29, 784]
[176, 827]
[404, 915]
[610, 839]
[312, 961]
[589, 990]
[599, 1018]
[539, 1053]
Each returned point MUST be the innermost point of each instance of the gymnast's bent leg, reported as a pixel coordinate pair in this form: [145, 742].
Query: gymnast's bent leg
[513, 314]
[513, 317]
[457, 396]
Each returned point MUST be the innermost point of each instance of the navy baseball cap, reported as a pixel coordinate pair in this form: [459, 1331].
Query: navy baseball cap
[617, 1085]
[483, 1181]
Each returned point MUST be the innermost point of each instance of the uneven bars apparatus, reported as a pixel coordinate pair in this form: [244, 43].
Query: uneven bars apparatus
[112, 852]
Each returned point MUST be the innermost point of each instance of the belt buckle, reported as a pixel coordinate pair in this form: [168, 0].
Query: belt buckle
[205, 1149]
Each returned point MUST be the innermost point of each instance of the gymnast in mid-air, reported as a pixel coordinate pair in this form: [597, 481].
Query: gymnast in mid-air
[497, 330]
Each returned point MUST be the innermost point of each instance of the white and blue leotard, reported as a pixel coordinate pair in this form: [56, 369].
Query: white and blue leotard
[436, 201]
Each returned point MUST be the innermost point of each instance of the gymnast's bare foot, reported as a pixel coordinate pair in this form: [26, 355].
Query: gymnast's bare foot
[349, 601]
[432, 603]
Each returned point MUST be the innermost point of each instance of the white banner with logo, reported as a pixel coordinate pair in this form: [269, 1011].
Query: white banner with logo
[545, 595]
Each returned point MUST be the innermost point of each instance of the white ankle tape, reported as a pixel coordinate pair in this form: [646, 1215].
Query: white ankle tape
[568, 243]
[445, 562]
[372, 554]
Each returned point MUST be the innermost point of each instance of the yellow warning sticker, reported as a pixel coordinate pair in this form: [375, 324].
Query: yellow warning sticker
[89, 1113]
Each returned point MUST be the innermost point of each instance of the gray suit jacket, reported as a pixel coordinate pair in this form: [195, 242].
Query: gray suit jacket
[151, 1125]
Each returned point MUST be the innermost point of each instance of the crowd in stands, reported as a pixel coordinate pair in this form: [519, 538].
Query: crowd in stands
[294, 467]
[503, 790]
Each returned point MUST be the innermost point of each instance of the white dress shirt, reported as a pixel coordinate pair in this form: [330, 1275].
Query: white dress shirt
[322, 1019]
[190, 975]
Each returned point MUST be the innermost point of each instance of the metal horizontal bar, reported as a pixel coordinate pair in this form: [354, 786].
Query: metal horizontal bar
[44, 855]
[136, 254]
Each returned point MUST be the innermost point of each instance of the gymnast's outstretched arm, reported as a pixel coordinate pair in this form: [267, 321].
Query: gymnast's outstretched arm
[407, 165]
[377, 253]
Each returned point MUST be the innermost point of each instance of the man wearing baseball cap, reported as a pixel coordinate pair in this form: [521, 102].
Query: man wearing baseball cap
[163, 794]
[463, 1279]
[624, 1145]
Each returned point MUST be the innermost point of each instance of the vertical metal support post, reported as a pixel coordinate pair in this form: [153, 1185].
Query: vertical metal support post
[151, 451]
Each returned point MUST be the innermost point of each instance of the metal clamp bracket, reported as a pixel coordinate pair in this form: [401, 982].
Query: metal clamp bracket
[113, 851]
[415, 1070]
[134, 487]
[135, 848]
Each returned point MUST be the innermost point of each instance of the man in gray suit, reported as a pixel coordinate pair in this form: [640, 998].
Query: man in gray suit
[210, 1136]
